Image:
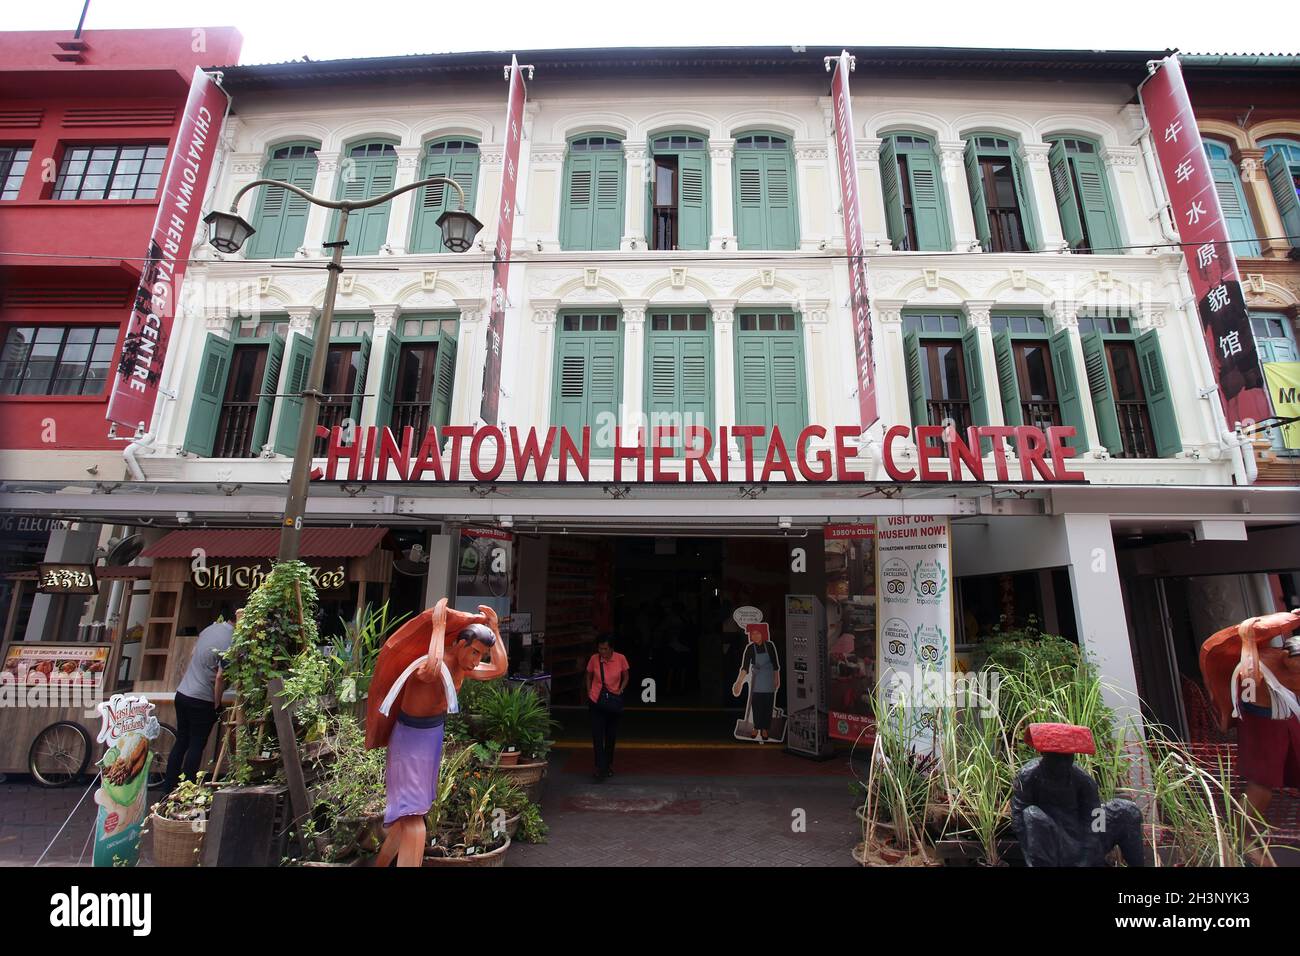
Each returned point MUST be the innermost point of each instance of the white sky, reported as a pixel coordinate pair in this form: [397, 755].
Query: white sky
[276, 30]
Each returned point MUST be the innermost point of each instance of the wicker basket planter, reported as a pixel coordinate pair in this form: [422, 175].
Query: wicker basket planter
[528, 776]
[175, 842]
[493, 858]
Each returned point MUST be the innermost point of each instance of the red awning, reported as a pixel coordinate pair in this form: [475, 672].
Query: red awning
[265, 543]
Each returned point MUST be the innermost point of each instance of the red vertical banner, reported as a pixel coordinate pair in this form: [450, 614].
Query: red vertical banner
[858, 303]
[505, 231]
[153, 310]
[1211, 263]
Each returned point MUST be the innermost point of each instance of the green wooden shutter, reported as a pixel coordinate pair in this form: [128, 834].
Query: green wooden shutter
[359, 392]
[975, 394]
[1160, 403]
[605, 388]
[1103, 395]
[977, 204]
[388, 381]
[1013, 412]
[679, 386]
[579, 208]
[1067, 203]
[1282, 183]
[929, 207]
[1067, 390]
[751, 216]
[1025, 202]
[779, 200]
[281, 217]
[693, 200]
[1233, 203]
[607, 227]
[266, 400]
[368, 228]
[444, 381]
[431, 201]
[298, 362]
[895, 220]
[569, 402]
[205, 412]
[753, 382]
[789, 401]
[770, 384]
[915, 379]
[1098, 210]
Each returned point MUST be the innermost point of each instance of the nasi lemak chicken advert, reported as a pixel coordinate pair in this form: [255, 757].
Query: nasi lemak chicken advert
[129, 727]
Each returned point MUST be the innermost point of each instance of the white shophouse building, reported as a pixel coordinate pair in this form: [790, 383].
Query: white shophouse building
[679, 249]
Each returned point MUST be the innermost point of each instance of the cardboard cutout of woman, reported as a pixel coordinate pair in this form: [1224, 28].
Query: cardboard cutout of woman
[760, 667]
[410, 696]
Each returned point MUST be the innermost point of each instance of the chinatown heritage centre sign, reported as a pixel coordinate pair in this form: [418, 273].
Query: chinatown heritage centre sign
[1020, 453]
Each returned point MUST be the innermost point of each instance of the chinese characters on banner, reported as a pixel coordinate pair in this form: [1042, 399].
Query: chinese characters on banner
[845, 149]
[1211, 262]
[505, 231]
[180, 202]
[66, 579]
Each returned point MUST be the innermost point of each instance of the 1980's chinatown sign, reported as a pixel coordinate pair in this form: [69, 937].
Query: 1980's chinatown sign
[816, 454]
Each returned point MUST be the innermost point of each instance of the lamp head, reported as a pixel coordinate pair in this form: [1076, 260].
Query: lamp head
[227, 231]
[459, 229]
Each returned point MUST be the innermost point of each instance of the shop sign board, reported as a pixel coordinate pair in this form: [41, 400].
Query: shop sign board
[55, 578]
[1284, 389]
[817, 454]
[914, 644]
[48, 674]
[247, 577]
[180, 206]
[483, 570]
[1206, 245]
[850, 626]
[127, 730]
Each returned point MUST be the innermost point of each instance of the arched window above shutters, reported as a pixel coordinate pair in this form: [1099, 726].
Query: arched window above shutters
[591, 214]
[453, 158]
[766, 209]
[1000, 195]
[916, 204]
[369, 170]
[281, 216]
[1083, 199]
[1232, 200]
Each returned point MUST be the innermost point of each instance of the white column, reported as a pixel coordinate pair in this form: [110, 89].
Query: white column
[400, 209]
[544, 315]
[633, 362]
[471, 351]
[386, 318]
[871, 195]
[723, 231]
[318, 217]
[977, 316]
[952, 163]
[724, 366]
[1099, 609]
[1033, 159]
[634, 210]
[891, 386]
[833, 191]
[813, 317]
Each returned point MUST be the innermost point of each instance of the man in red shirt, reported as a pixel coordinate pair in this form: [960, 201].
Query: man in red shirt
[607, 677]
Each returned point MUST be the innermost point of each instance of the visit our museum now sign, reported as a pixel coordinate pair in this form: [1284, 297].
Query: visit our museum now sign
[1020, 453]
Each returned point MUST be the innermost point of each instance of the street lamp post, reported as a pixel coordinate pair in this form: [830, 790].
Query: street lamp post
[229, 231]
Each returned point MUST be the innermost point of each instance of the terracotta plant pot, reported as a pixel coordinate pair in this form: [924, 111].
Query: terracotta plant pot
[494, 858]
[508, 758]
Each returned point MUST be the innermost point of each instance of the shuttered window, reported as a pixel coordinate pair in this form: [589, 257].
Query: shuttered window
[418, 375]
[1037, 384]
[281, 216]
[591, 213]
[678, 192]
[679, 372]
[1000, 196]
[1232, 200]
[1282, 165]
[763, 181]
[455, 159]
[587, 382]
[945, 378]
[771, 388]
[1130, 389]
[916, 206]
[368, 170]
[1083, 199]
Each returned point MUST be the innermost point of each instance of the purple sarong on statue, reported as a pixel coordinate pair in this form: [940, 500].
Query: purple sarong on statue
[411, 776]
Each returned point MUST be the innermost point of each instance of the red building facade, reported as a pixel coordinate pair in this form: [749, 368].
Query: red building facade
[86, 128]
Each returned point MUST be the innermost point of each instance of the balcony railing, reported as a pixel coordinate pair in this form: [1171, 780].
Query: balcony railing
[331, 413]
[944, 413]
[1008, 235]
[235, 431]
[1135, 430]
[665, 227]
[1042, 415]
[410, 414]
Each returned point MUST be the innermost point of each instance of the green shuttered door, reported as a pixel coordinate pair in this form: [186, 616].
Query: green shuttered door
[693, 200]
[1282, 183]
[929, 207]
[978, 205]
[388, 382]
[770, 386]
[1233, 203]
[679, 380]
[444, 381]
[592, 216]
[766, 210]
[1008, 384]
[205, 412]
[365, 178]
[266, 400]
[281, 217]
[1103, 394]
[298, 363]
[915, 379]
[432, 201]
[1067, 390]
[1160, 403]
[587, 386]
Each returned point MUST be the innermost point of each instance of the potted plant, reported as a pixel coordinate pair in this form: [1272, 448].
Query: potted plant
[178, 823]
[352, 793]
[515, 722]
[461, 821]
[353, 654]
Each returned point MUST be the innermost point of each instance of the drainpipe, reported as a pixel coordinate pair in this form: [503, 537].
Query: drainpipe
[143, 443]
[1238, 446]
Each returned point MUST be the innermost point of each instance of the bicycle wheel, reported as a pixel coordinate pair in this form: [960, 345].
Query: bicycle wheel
[59, 754]
[161, 748]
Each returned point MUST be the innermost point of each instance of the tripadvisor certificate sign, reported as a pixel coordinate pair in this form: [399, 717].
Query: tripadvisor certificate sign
[914, 621]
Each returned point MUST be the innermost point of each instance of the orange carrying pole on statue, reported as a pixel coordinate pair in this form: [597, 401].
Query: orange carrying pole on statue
[1237, 664]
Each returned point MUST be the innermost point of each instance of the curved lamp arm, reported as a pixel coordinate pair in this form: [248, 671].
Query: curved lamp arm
[343, 203]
